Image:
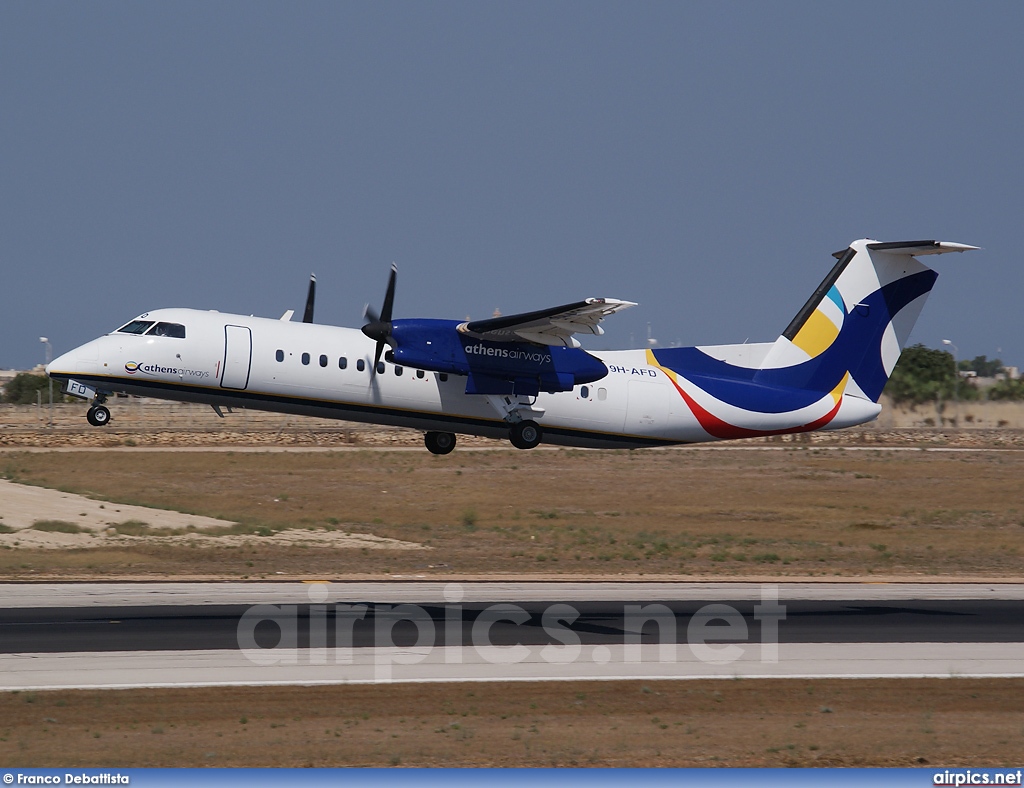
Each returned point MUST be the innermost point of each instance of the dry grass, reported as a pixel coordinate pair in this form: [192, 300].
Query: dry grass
[683, 723]
[797, 512]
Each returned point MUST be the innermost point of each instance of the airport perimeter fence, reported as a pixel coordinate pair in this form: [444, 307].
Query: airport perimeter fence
[147, 422]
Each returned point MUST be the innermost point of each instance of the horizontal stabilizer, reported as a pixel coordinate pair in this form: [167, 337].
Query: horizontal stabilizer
[913, 248]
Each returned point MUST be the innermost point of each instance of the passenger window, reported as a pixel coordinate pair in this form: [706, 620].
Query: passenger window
[360, 364]
[584, 392]
[305, 358]
[280, 355]
[323, 361]
[602, 394]
[342, 363]
[420, 374]
[380, 367]
[443, 377]
[135, 327]
[174, 330]
[398, 371]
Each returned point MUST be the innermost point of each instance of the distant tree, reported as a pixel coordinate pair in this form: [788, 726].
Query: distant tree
[22, 388]
[1007, 390]
[981, 365]
[926, 375]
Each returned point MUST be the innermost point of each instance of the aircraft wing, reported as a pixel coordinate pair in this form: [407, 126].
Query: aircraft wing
[554, 326]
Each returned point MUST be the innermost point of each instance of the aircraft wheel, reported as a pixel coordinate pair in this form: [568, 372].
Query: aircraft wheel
[98, 416]
[525, 434]
[439, 442]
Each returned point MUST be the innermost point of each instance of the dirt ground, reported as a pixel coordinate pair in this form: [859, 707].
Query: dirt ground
[928, 723]
[801, 511]
[795, 512]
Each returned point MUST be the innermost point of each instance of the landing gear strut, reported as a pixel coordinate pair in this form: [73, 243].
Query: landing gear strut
[525, 434]
[439, 442]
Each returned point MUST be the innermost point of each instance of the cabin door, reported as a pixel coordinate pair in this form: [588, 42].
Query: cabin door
[237, 357]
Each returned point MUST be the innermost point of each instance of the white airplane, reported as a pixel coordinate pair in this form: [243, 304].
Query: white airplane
[524, 377]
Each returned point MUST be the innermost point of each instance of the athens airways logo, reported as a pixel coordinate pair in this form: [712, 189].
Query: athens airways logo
[133, 366]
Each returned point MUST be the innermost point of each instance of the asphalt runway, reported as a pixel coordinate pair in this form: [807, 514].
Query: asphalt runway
[176, 635]
[359, 623]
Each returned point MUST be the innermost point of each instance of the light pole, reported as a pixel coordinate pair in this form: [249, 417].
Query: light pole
[956, 381]
[49, 358]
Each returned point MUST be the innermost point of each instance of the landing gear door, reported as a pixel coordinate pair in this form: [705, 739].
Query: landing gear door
[76, 389]
[237, 357]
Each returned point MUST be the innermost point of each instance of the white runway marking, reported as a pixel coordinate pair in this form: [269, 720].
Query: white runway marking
[27, 595]
[125, 670]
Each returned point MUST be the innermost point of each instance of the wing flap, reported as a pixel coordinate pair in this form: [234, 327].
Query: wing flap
[554, 326]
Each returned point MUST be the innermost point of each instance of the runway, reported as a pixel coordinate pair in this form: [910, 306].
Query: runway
[165, 634]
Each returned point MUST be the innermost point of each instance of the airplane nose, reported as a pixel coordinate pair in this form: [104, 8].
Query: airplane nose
[63, 363]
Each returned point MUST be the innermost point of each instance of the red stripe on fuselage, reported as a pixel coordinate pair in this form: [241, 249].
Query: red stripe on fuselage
[714, 426]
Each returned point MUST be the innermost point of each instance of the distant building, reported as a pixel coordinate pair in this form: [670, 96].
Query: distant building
[7, 375]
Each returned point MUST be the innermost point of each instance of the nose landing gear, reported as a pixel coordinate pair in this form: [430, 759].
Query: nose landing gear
[99, 414]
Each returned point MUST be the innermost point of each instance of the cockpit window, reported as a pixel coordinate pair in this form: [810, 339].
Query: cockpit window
[175, 330]
[135, 327]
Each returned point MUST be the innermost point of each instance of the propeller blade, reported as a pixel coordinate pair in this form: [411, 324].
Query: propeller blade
[389, 295]
[378, 326]
[307, 316]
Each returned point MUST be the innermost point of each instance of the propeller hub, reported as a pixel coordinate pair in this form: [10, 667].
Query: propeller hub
[379, 330]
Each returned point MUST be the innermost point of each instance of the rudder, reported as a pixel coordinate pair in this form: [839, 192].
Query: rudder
[858, 319]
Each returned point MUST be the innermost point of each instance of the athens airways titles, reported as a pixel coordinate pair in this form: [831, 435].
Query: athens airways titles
[514, 355]
[132, 367]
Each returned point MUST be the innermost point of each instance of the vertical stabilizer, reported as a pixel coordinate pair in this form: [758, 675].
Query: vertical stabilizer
[857, 321]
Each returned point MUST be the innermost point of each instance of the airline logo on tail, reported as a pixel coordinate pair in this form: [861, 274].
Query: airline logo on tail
[842, 345]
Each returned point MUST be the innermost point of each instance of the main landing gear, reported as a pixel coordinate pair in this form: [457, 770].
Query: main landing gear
[523, 431]
[525, 434]
[439, 442]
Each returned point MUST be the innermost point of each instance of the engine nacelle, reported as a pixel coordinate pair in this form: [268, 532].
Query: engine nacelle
[513, 367]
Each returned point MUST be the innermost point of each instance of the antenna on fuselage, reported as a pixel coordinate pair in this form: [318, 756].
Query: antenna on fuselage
[307, 316]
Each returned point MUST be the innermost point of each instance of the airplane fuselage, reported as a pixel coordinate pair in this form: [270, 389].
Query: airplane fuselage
[318, 370]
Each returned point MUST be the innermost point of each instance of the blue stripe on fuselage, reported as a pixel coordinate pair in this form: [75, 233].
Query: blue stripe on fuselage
[857, 349]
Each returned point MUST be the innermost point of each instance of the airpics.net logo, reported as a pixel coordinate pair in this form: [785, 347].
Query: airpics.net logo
[382, 638]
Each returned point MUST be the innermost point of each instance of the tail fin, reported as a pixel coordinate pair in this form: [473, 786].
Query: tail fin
[857, 321]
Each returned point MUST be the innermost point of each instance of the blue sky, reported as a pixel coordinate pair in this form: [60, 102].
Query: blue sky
[703, 159]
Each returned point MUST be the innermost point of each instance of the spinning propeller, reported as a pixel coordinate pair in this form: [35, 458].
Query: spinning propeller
[378, 326]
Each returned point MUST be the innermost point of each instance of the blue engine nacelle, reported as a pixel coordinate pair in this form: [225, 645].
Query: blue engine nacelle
[492, 367]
